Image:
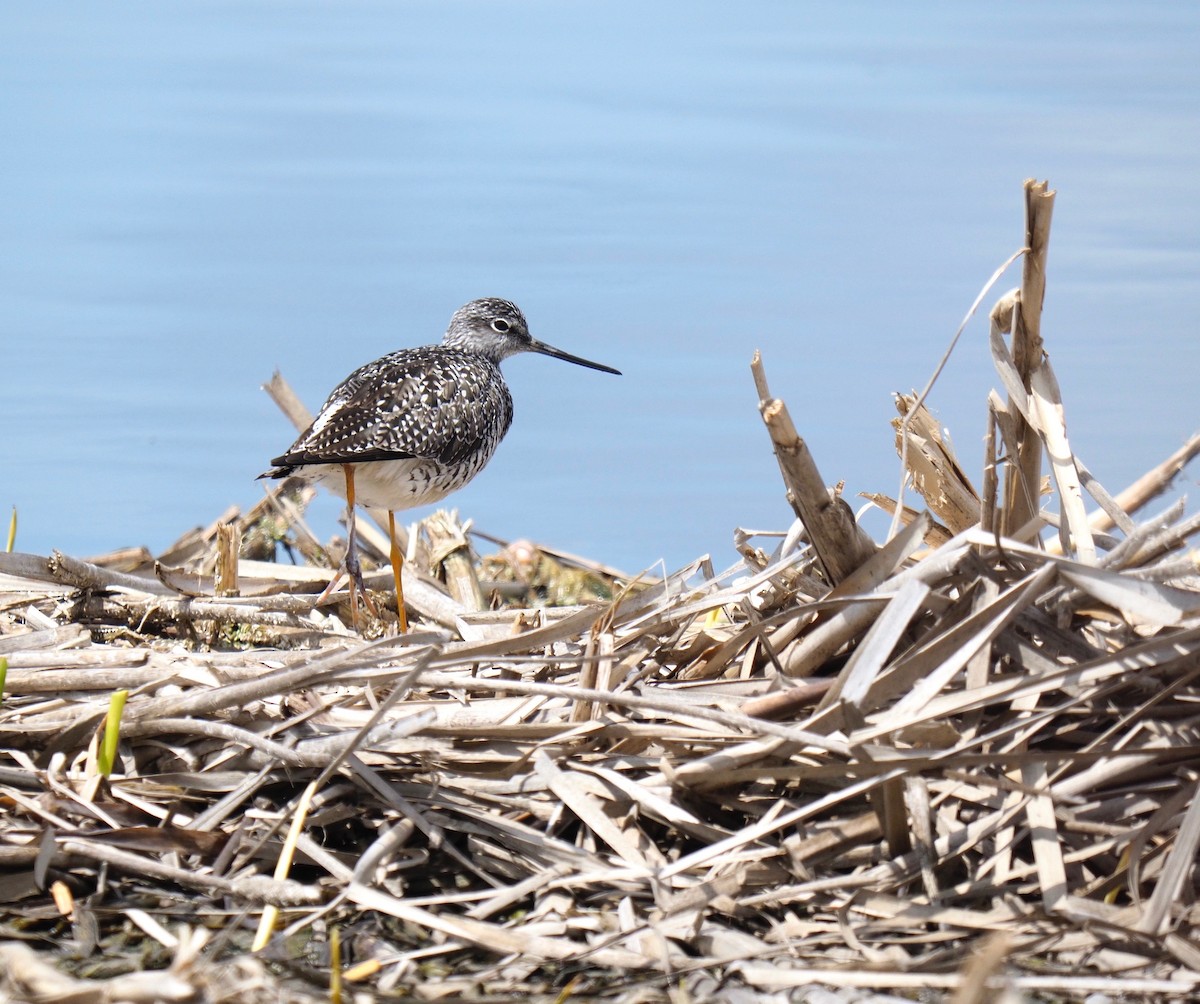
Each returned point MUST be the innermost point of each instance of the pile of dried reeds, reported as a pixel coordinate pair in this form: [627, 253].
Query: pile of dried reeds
[961, 760]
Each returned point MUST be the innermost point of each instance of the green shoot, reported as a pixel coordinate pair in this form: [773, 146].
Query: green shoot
[12, 530]
[112, 731]
[335, 965]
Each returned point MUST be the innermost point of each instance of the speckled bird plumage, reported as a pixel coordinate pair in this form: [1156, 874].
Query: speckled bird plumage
[418, 424]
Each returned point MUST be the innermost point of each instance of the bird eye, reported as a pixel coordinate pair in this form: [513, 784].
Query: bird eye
[500, 324]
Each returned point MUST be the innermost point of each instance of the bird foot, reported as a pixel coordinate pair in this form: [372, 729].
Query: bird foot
[354, 574]
[354, 578]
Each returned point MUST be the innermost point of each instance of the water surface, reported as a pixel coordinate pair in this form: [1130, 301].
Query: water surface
[195, 194]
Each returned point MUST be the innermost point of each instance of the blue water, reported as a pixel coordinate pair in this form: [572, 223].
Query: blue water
[193, 194]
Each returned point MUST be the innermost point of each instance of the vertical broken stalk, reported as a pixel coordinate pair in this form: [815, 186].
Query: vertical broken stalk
[229, 545]
[839, 543]
[990, 477]
[1022, 482]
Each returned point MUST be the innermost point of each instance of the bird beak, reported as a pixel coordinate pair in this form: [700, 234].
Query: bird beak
[550, 350]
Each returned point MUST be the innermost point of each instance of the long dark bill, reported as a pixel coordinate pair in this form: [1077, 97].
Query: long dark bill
[550, 350]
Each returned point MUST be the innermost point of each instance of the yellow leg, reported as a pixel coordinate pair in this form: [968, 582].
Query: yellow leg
[397, 564]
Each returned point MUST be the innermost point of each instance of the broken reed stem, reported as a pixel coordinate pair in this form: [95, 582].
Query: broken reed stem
[229, 545]
[991, 483]
[838, 541]
[1022, 482]
[280, 391]
[936, 473]
[450, 550]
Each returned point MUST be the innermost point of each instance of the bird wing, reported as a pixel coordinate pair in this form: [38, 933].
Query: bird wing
[431, 403]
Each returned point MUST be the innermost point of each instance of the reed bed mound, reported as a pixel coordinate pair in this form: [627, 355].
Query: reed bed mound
[958, 764]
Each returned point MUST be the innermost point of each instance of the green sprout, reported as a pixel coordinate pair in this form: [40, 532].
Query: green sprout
[112, 733]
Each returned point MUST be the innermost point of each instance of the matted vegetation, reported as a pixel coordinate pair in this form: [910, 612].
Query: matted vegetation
[962, 761]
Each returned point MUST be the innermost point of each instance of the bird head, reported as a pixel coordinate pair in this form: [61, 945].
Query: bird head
[496, 329]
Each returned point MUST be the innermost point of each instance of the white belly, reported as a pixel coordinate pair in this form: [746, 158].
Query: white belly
[394, 484]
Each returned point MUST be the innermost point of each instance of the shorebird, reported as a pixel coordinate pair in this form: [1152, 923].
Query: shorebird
[417, 424]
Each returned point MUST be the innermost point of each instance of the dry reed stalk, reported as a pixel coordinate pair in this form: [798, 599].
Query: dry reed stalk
[840, 544]
[1024, 474]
